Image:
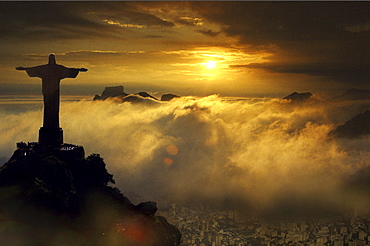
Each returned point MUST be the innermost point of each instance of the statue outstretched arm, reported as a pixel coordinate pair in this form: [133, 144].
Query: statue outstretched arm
[70, 72]
[37, 71]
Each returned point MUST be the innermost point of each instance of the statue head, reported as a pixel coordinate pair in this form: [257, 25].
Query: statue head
[52, 59]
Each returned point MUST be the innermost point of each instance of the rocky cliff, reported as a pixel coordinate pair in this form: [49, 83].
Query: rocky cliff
[61, 199]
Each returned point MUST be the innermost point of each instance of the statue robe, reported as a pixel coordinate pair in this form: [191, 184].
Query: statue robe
[51, 74]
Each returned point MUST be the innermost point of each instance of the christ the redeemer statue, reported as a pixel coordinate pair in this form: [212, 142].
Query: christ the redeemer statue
[51, 74]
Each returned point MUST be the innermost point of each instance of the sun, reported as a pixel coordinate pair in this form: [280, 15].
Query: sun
[210, 64]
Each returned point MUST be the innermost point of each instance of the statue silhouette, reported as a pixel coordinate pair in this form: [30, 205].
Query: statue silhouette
[51, 74]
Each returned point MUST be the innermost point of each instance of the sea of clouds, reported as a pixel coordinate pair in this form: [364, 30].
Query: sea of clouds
[270, 157]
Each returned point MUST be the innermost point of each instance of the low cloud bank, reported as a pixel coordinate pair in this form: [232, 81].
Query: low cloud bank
[263, 156]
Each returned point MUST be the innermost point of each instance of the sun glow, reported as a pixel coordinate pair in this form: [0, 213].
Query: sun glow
[210, 64]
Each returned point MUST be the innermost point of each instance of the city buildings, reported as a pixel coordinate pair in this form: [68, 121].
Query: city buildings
[202, 226]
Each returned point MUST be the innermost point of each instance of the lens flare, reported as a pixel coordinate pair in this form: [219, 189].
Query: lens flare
[168, 161]
[134, 233]
[172, 149]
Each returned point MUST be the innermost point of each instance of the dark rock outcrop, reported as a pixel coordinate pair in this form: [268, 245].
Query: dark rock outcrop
[302, 98]
[46, 200]
[137, 99]
[145, 94]
[295, 96]
[113, 91]
[168, 97]
[358, 126]
[148, 208]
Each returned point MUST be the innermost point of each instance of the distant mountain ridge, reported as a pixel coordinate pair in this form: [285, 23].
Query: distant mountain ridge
[299, 98]
[295, 96]
[352, 94]
[118, 93]
[349, 95]
[358, 126]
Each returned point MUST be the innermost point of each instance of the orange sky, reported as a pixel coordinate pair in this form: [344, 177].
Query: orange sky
[189, 48]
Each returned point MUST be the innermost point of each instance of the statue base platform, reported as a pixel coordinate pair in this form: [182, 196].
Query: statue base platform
[51, 136]
[50, 144]
[66, 152]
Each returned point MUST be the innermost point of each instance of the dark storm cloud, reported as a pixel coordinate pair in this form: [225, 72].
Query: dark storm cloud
[329, 36]
[69, 20]
[209, 33]
[341, 71]
[275, 22]
[44, 20]
[128, 14]
[82, 54]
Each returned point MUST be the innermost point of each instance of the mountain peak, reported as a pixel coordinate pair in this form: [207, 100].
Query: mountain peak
[295, 96]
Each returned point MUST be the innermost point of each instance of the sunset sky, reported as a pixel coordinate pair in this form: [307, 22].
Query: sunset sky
[189, 48]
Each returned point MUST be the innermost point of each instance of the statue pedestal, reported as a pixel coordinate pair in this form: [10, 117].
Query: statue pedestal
[51, 136]
[64, 152]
